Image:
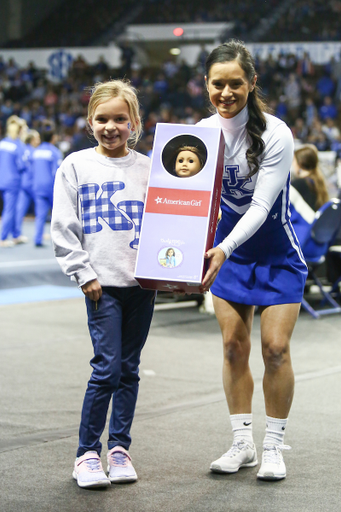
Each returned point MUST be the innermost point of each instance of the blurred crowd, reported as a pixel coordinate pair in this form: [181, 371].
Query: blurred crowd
[306, 96]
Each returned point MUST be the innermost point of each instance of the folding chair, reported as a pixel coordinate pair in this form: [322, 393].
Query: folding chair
[323, 230]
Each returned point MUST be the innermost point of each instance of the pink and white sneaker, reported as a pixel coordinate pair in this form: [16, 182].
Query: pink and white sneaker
[120, 467]
[88, 471]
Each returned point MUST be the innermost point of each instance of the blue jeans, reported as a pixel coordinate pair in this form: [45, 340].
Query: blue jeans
[118, 323]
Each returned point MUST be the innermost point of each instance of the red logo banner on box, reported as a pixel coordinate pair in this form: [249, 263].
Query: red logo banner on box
[194, 203]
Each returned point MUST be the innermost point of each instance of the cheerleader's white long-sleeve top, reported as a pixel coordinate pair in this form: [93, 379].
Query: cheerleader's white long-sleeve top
[253, 199]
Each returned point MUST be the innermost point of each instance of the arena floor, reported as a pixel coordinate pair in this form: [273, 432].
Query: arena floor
[181, 421]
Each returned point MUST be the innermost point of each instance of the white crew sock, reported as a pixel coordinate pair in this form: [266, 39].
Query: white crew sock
[242, 427]
[275, 430]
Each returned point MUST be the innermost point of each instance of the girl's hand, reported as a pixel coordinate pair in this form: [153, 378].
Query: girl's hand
[217, 258]
[92, 289]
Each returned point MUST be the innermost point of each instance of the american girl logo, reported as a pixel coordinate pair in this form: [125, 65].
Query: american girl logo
[178, 202]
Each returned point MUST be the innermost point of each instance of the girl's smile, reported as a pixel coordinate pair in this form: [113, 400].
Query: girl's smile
[111, 127]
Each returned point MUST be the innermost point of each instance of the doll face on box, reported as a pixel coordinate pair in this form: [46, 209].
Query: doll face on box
[187, 164]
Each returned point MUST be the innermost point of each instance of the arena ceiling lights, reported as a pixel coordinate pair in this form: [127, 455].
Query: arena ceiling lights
[155, 42]
[186, 32]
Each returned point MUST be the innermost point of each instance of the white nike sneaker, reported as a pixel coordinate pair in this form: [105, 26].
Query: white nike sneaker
[273, 467]
[240, 455]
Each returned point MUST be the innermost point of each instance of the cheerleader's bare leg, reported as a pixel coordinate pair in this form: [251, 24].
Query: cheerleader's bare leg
[277, 325]
[235, 321]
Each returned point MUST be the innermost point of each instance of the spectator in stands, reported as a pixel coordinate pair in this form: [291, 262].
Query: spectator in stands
[309, 112]
[319, 139]
[39, 91]
[6, 111]
[127, 55]
[280, 108]
[300, 130]
[11, 68]
[79, 67]
[330, 129]
[335, 66]
[100, 69]
[161, 87]
[195, 88]
[201, 59]
[328, 109]
[170, 67]
[325, 86]
[292, 91]
[304, 66]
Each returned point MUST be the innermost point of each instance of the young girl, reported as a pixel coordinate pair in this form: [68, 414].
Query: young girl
[257, 256]
[188, 162]
[98, 202]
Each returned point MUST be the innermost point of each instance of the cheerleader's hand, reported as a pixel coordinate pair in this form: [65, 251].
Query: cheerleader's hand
[92, 289]
[216, 258]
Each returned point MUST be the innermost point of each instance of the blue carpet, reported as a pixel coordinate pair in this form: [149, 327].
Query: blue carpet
[38, 294]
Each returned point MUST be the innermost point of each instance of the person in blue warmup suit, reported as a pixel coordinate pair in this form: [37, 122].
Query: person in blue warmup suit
[45, 161]
[12, 165]
[32, 141]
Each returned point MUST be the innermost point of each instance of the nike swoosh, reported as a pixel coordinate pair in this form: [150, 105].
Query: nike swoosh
[247, 424]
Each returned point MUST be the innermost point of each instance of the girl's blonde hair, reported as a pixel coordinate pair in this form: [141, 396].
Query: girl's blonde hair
[30, 135]
[102, 92]
[308, 160]
[14, 125]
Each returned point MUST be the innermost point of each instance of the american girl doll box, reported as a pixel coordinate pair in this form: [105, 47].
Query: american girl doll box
[181, 208]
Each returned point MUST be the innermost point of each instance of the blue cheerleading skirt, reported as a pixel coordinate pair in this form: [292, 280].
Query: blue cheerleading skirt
[267, 269]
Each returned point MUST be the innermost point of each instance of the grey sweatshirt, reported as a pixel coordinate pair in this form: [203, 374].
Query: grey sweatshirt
[96, 218]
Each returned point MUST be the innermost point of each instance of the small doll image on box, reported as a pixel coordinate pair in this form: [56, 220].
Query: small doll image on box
[189, 161]
[184, 156]
[170, 257]
[181, 208]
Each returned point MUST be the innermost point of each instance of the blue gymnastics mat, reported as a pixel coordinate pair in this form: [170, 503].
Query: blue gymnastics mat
[38, 294]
